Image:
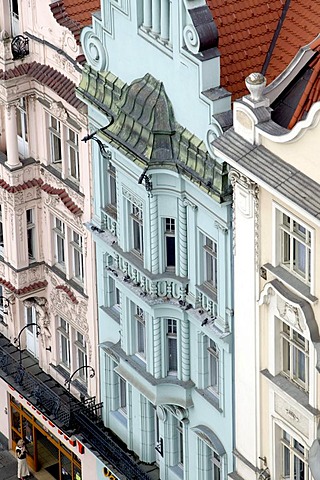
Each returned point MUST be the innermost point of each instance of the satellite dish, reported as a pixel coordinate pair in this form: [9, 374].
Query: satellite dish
[314, 459]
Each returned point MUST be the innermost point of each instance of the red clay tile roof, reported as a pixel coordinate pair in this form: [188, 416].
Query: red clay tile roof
[64, 197]
[311, 93]
[300, 27]
[246, 29]
[48, 76]
[73, 14]
[24, 290]
[22, 186]
[62, 194]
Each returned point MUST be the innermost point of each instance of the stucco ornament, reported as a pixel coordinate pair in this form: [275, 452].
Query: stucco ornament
[95, 53]
[213, 132]
[40, 305]
[256, 83]
[191, 39]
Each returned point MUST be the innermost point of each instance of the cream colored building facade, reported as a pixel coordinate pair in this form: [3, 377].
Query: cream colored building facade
[46, 268]
[277, 286]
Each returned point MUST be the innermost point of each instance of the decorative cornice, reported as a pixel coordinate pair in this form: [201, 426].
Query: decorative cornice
[24, 290]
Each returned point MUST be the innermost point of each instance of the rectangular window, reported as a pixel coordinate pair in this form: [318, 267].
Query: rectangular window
[14, 10]
[73, 155]
[81, 355]
[77, 256]
[172, 347]
[31, 234]
[122, 395]
[22, 127]
[59, 235]
[111, 191]
[295, 247]
[170, 243]
[137, 229]
[210, 263]
[294, 459]
[295, 355]
[180, 443]
[213, 364]
[64, 340]
[140, 333]
[215, 465]
[1, 231]
[55, 140]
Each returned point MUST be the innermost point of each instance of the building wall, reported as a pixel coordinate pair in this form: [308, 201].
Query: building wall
[46, 264]
[173, 418]
[276, 261]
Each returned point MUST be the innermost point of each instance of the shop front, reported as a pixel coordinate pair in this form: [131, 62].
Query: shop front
[48, 447]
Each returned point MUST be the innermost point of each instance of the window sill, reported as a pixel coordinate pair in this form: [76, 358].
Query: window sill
[112, 313]
[177, 470]
[212, 294]
[120, 417]
[291, 281]
[210, 397]
[290, 389]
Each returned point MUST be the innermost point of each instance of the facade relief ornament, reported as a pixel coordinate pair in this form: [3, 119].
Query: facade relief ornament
[58, 110]
[95, 52]
[289, 314]
[187, 203]
[246, 201]
[132, 198]
[213, 132]
[40, 304]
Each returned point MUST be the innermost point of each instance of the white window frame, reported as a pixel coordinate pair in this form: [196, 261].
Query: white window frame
[293, 453]
[1, 230]
[280, 228]
[55, 141]
[22, 127]
[72, 349]
[31, 234]
[140, 331]
[59, 230]
[169, 233]
[209, 263]
[123, 396]
[293, 344]
[73, 154]
[136, 228]
[171, 337]
[64, 344]
[111, 190]
[213, 367]
[81, 355]
[15, 15]
[77, 256]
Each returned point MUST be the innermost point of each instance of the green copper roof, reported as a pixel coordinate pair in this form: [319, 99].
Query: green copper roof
[144, 127]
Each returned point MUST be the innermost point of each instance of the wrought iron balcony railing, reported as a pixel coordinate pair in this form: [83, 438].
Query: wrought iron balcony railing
[71, 415]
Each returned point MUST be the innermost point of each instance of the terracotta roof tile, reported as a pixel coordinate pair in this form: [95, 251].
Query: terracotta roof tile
[246, 30]
[48, 76]
[73, 14]
[22, 291]
[64, 197]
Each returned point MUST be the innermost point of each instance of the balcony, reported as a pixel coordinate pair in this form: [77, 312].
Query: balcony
[69, 414]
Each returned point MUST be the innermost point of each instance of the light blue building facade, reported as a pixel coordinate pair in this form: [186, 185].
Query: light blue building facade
[161, 223]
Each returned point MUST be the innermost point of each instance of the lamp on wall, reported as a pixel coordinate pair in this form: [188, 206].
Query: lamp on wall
[68, 381]
[18, 338]
[4, 304]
